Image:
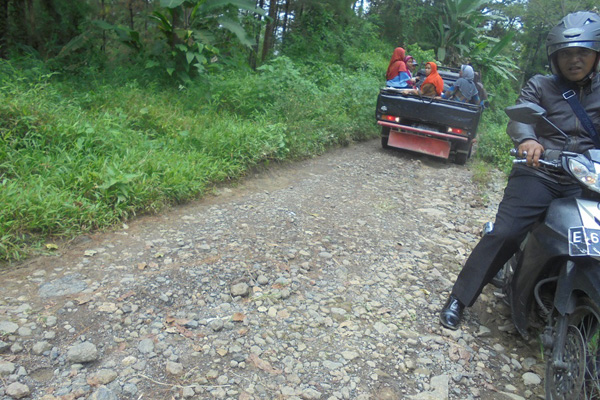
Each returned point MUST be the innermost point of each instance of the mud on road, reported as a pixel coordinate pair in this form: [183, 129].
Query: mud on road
[320, 279]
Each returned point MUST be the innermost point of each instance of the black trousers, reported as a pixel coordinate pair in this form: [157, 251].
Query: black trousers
[526, 198]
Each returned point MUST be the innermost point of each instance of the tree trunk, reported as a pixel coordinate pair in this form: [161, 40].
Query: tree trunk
[361, 8]
[103, 18]
[146, 6]
[3, 28]
[30, 28]
[276, 25]
[130, 6]
[252, 59]
[175, 19]
[17, 23]
[285, 20]
[270, 30]
[48, 6]
[56, 21]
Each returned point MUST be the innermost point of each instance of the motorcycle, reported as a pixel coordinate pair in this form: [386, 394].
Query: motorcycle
[555, 276]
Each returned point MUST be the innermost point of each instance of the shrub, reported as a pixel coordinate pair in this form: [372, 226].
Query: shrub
[80, 154]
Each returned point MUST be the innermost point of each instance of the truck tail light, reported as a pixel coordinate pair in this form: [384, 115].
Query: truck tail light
[390, 118]
[456, 130]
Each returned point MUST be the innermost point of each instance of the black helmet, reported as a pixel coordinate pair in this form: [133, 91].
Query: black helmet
[578, 29]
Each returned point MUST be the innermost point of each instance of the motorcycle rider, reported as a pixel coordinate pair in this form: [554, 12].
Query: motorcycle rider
[573, 48]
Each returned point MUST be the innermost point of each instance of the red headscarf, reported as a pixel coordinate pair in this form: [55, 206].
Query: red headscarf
[434, 78]
[397, 64]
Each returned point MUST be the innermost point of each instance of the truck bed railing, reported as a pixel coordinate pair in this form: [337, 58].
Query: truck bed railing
[397, 92]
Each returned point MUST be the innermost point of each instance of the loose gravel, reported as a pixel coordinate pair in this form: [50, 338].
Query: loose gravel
[321, 279]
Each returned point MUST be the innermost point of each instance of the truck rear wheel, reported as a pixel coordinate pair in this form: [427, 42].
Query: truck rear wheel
[461, 158]
[385, 135]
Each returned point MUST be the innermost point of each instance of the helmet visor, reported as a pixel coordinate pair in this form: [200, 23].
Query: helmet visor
[586, 44]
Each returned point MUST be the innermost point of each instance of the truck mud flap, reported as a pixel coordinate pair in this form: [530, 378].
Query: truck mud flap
[421, 144]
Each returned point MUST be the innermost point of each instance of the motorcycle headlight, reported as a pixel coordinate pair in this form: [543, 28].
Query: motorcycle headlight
[589, 178]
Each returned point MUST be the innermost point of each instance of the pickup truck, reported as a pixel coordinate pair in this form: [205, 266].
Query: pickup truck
[438, 127]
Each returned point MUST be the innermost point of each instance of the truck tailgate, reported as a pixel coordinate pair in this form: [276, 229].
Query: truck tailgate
[422, 144]
[443, 112]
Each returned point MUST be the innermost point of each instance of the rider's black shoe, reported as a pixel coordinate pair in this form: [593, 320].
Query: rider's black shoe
[451, 314]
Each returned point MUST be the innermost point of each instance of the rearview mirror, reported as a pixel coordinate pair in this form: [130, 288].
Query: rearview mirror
[527, 113]
[531, 113]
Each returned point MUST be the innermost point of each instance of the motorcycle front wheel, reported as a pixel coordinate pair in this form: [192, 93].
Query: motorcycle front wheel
[577, 375]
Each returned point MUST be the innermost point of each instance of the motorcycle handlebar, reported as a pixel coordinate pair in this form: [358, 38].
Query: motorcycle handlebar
[551, 164]
[520, 159]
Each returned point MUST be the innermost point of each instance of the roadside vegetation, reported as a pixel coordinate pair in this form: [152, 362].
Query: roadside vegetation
[111, 109]
[81, 155]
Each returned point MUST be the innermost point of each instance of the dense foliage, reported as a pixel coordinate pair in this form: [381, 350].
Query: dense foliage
[78, 155]
[112, 108]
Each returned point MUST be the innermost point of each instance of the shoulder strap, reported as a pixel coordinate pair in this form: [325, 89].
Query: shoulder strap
[571, 97]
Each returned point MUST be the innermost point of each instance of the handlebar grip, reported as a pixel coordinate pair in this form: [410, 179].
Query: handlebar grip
[515, 153]
[554, 165]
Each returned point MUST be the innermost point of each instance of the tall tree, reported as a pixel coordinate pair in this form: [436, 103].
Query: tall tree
[17, 24]
[460, 22]
[400, 22]
[269, 38]
[319, 29]
[537, 19]
[3, 28]
[253, 58]
[286, 14]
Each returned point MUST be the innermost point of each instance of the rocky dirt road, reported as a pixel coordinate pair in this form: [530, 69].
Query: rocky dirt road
[317, 280]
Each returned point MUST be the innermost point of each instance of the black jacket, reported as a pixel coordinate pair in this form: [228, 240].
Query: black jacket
[545, 91]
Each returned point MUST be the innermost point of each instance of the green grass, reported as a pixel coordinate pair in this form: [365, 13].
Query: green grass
[481, 173]
[493, 144]
[83, 154]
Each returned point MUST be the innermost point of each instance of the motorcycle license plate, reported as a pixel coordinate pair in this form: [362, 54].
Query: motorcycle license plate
[584, 241]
